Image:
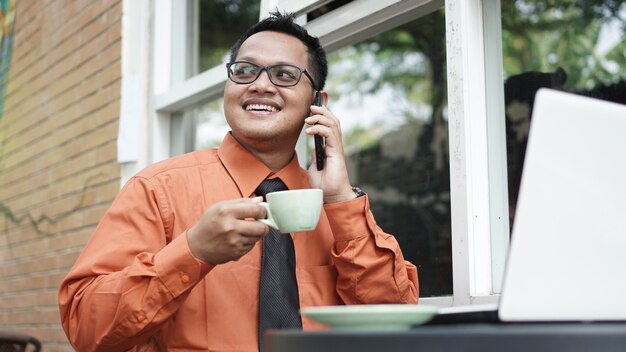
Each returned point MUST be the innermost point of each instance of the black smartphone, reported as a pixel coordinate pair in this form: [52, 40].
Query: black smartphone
[320, 153]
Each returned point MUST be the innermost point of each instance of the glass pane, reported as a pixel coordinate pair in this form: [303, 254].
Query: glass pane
[576, 46]
[199, 126]
[390, 94]
[326, 8]
[220, 24]
[210, 124]
[181, 138]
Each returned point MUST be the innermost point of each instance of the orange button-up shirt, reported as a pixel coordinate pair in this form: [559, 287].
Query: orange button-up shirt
[137, 286]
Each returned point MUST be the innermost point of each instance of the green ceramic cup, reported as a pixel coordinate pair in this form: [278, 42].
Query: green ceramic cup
[295, 210]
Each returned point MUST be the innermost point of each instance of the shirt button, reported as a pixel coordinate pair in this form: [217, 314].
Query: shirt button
[184, 278]
[140, 316]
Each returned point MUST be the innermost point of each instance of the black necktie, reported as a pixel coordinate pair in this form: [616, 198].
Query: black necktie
[279, 304]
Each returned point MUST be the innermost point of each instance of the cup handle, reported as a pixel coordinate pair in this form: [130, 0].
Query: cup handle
[269, 221]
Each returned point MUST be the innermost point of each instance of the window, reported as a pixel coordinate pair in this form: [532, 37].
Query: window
[576, 47]
[429, 146]
[390, 94]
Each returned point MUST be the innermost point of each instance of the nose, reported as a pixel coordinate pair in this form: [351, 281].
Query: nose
[263, 83]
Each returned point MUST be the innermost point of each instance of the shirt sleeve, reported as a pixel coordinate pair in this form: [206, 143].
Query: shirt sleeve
[370, 265]
[131, 277]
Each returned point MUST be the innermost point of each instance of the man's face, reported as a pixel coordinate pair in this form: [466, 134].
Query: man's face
[261, 115]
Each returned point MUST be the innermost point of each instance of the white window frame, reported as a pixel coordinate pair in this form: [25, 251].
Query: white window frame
[479, 196]
[478, 179]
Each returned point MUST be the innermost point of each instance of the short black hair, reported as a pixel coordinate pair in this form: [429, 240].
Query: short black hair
[285, 23]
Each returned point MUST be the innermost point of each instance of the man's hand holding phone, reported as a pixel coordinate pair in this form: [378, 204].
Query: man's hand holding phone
[333, 177]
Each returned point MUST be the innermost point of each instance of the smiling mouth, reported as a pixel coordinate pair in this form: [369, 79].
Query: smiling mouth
[261, 108]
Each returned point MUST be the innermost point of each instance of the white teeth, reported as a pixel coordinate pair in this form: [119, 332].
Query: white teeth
[261, 107]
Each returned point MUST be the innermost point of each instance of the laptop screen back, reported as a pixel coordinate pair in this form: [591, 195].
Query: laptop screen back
[567, 259]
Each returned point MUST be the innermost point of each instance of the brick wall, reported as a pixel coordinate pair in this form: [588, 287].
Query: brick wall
[58, 169]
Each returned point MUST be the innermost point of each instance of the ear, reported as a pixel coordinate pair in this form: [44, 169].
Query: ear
[324, 95]
[324, 98]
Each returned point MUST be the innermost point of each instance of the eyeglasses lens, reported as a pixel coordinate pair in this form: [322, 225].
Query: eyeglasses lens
[280, 75]
[242, 72]
[284, 75]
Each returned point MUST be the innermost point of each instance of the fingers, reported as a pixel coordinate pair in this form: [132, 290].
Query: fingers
[252, 229]
[240, 247]
[333, 179]
[226, 232]
[322, 122]
[245, 237]
[320, 115]
[242, 208]
[245, 212]
[242, 214]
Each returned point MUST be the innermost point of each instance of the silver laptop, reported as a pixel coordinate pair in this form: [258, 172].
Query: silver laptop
[567, 257]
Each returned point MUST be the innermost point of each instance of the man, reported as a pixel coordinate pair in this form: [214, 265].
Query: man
[175, 263]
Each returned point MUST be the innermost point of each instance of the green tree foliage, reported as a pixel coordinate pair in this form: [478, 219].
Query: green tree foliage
[537, 35]
[540, 35]
[402, 59]
[221, 24]
[409, 60]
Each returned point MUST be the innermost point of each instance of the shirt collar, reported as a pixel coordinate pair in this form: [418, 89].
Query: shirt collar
[248, 172]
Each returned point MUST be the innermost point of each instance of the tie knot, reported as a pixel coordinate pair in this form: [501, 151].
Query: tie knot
[270, 185]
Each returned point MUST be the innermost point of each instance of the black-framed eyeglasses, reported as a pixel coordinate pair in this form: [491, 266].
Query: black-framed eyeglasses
[282, 75]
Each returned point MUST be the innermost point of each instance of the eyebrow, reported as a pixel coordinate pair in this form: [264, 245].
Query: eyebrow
[250, 59]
